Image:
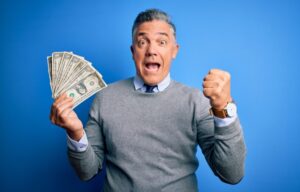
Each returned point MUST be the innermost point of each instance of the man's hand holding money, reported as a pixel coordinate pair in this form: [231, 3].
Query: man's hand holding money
[64, 116]
[72, 80]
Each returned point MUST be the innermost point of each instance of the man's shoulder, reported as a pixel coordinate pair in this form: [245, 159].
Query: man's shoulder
[185, 89]
[190, 94]
[116, 87]
[127, 83]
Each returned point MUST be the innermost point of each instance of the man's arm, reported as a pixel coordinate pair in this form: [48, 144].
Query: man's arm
[89, 162]
[86, 162]
[223, 148]
[222, 143]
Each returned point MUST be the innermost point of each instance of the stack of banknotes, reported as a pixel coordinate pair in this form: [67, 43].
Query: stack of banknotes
[73, 75]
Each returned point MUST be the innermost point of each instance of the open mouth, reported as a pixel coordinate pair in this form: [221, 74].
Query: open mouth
[152, 67]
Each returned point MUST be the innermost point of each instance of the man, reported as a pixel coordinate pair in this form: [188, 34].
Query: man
[148, 127]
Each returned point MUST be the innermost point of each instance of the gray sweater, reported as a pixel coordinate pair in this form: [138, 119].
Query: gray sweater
[149, 140]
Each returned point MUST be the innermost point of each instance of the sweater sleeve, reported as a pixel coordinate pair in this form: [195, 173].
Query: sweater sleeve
[223, 147]
[89, 162]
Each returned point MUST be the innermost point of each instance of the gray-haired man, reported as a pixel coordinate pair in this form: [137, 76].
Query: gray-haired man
[148, 127]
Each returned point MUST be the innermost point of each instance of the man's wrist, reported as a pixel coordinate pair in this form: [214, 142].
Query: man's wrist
[229, 110]
[76, 135]
[78, 146]
[223, 122]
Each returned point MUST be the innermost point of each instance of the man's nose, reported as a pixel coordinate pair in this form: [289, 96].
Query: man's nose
[151, 50]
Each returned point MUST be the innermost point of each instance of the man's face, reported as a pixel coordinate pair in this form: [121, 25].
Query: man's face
[154, 47]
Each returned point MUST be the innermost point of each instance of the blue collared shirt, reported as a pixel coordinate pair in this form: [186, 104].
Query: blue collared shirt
[139, 84]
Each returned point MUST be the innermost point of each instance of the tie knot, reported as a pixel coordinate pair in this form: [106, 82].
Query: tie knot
[149, 89]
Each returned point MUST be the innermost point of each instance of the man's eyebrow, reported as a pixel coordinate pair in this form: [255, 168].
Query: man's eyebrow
[159, 33]
[141, 34]
[163, 33]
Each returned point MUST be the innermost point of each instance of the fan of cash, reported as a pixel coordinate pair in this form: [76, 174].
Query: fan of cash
[73, 75]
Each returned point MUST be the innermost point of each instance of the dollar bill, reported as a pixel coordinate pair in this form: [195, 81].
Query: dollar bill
[56, 58]
[84, 69]
[69, 69]
[85, 88]
[61, 69]
[49, 61]
[72, 74]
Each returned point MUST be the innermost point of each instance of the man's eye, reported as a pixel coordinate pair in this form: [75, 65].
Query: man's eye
[141, 42]
[163, 42]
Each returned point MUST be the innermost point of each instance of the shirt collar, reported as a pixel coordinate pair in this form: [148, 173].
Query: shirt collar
[161, 86]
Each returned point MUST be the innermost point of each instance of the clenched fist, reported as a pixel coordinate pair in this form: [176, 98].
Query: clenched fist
[216, 87]
[63, 115]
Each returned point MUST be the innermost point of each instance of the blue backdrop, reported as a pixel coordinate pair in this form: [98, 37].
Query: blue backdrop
[256, 41]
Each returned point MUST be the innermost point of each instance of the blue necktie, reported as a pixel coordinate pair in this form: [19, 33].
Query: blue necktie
[149, 89]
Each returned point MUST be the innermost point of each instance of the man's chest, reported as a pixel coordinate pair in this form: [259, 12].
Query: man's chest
[148, 129]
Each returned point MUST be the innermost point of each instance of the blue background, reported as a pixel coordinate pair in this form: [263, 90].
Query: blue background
[256, 41]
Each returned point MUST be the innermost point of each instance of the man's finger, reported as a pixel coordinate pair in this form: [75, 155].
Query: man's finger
[209, 77]
[213, 77]
[215, 71]
[58, 107]
[209, 92]
[64, 100]
[56, 103]
[224, 75]
[210, 84]
[65, 114]
[60, 98]
[67, 104]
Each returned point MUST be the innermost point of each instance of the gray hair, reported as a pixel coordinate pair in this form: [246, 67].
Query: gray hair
[150, 15]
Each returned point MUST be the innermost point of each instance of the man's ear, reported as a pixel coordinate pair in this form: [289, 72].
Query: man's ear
[132, 51]
[176, 49]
